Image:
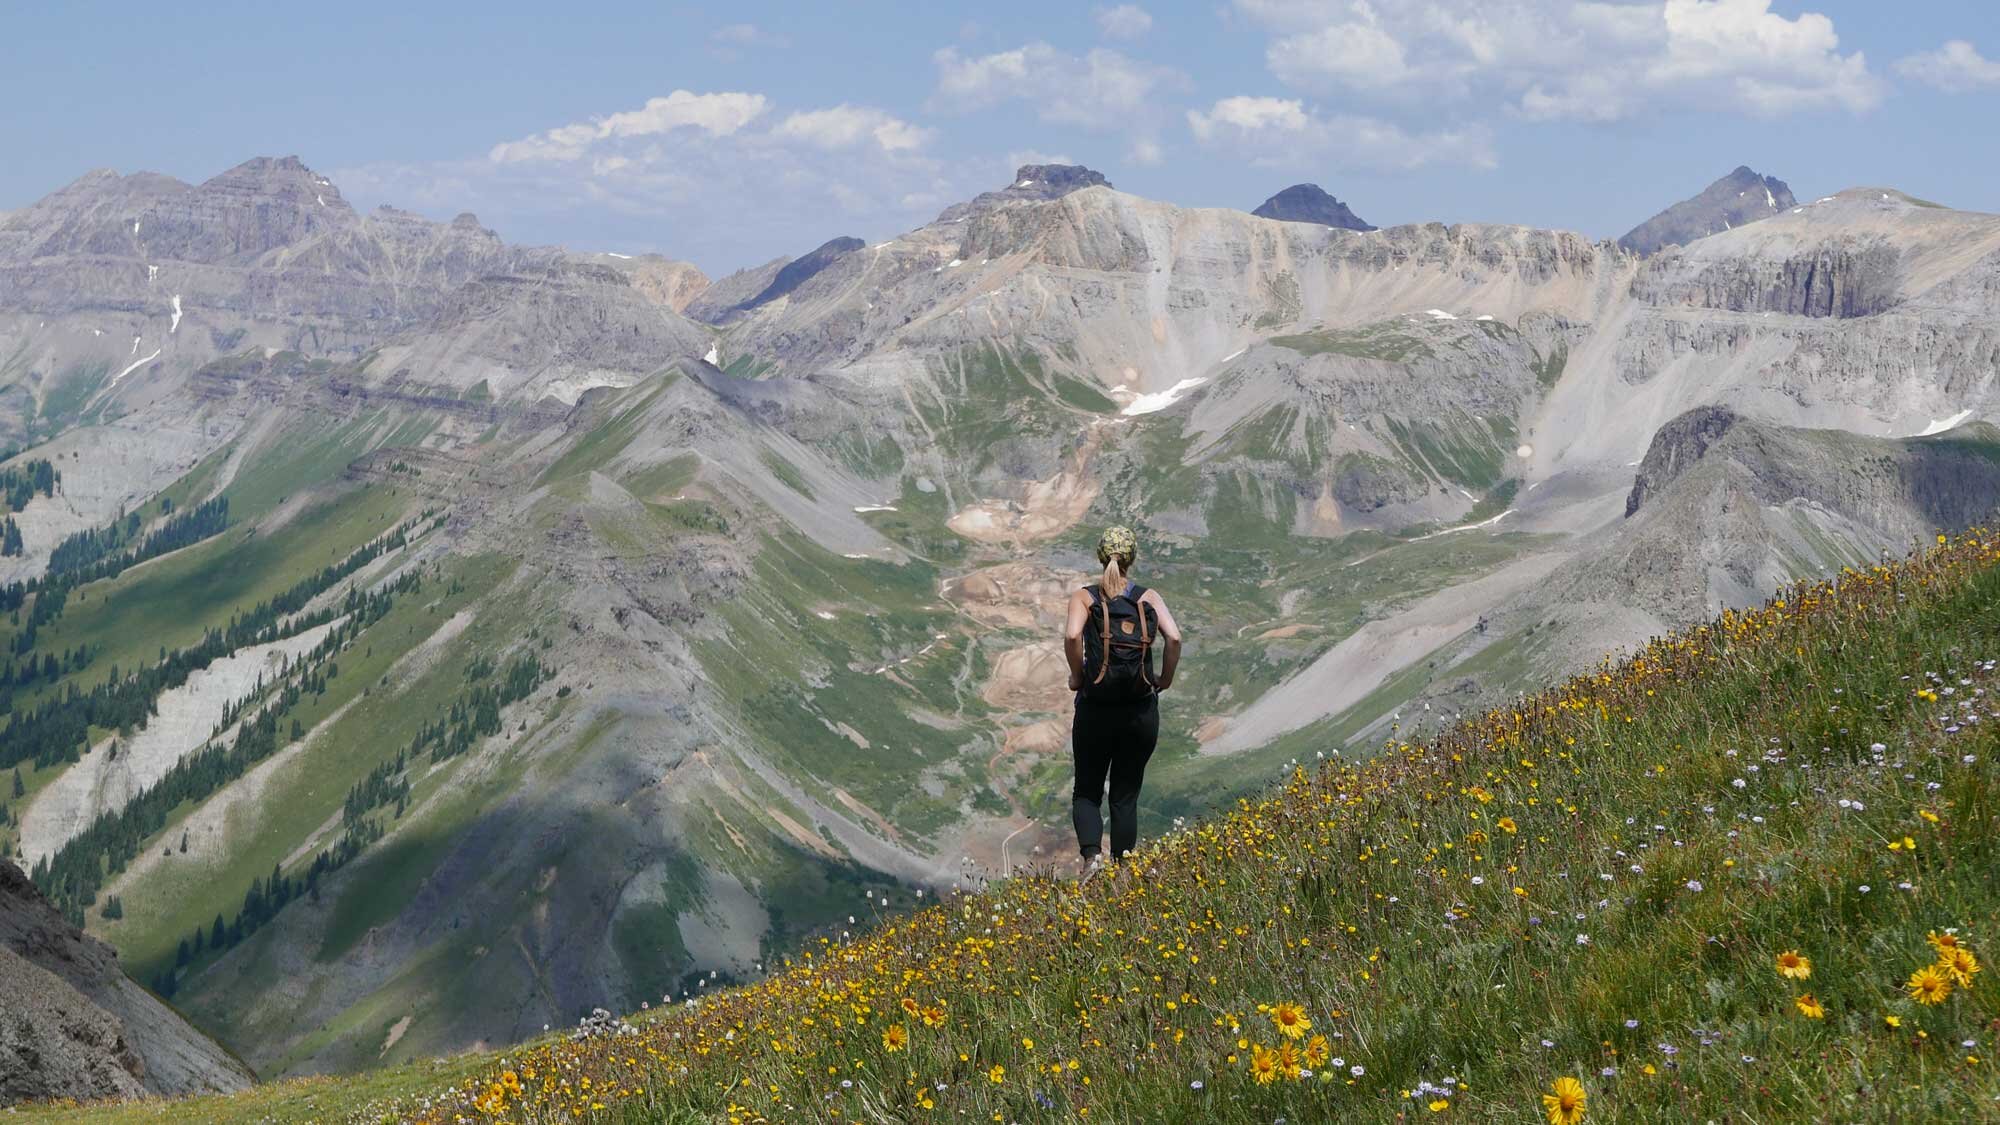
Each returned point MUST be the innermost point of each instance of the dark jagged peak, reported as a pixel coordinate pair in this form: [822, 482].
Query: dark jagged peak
[738, 293]
[1743, 196]
[1309, 203]
[1032, 183]
[800, 270]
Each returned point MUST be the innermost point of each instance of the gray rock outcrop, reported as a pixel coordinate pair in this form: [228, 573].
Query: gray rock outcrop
[1033, 183]
[1743, 196]
[73, 1025]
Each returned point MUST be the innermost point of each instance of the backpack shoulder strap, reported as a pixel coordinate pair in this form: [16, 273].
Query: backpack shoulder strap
[1138, 595]
[1103, 606]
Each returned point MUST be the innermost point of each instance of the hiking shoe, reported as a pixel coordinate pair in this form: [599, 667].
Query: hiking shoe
[1091, 867]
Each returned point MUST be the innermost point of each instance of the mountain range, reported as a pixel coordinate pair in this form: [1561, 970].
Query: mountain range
[424, 639]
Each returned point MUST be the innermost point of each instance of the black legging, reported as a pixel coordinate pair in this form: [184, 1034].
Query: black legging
[1114, 738]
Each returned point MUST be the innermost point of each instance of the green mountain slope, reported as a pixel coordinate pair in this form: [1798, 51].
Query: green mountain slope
[1744, 874]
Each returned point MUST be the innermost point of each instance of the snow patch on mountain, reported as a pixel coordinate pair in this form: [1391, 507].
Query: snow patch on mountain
[1160, 400]
[1941, 425]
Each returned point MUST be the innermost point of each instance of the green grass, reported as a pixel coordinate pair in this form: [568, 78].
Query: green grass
[305, 790]
[1382, 898]
[171, 601]
[1592, 883]
[795, 678]
[1465, 450]
[748, 367]
[1549, 368]
[991, 398]
[311, 455]
[1391, 341]
[299, 1100]
[787, 473]
[64, 407]
[627, 411]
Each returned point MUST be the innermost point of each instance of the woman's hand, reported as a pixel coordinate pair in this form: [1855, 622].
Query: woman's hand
[1075, 682]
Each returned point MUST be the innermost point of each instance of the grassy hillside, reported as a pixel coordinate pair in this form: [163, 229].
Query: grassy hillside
[1745, 875]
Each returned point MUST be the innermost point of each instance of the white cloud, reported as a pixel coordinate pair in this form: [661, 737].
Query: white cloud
[1145, 151]
[844, 126]
[720, 178]
[717, 115]
[737, 34]
[729, 41]
[1592, 60]
[1355, 53]
[1957, 66]
[1022, 156]
[1247, 116]
[1284, 131]
[1103, 89]
[1126, 21]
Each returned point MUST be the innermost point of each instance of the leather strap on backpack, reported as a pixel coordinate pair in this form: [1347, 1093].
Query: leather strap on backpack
[1104, 614]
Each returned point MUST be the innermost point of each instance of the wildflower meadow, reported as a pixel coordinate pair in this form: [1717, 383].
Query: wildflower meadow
[1747, 874]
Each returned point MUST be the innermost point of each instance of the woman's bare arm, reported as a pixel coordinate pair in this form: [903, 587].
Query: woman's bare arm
[1079, 616]
[1170, 632]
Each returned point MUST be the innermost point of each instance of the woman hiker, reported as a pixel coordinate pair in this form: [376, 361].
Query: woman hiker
[1108, 638]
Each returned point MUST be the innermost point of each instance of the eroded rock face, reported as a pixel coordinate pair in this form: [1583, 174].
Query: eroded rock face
[1842, 281]
[55, 1043]
[1743, 196]
[1675, 449]
[74, 1026]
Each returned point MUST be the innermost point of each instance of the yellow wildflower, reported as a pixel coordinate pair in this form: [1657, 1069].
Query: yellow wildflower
[1929, 985]
[1291, 1020]
[1565, 1104]
[1960, 963]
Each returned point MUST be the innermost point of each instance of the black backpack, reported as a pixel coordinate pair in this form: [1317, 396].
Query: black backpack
[1118, 647]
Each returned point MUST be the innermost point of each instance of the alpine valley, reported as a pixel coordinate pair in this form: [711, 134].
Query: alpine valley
[415, 640]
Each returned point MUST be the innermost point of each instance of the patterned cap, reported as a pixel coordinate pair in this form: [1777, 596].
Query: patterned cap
[1118, 543]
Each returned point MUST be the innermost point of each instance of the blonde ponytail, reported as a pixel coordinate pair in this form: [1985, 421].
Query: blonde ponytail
[1117, 550]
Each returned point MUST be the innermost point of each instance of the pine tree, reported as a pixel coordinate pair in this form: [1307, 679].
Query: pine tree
[20, 787]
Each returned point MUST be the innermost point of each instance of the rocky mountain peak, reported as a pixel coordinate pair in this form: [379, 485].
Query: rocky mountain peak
[1032, 183]
[1742, 196]
[1675, 448]
[1049, 181]
[279, 179]
[1309, 203]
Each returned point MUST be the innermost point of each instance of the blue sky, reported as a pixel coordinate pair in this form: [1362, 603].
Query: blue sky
[731, 133]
